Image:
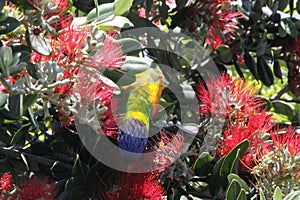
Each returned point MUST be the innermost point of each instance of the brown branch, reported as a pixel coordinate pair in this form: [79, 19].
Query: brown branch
[281, 92]
[295, 100]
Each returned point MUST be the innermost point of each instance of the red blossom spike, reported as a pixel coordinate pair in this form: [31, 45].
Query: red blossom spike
[36, 188]
[137, 186]
[225, 96]
[221, 19]
[237, 102]
[110, 55]
[67, 45]
[6, 182]
[252, 129]
[289, 139]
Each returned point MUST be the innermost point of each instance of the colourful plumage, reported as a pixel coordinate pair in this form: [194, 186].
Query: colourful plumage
[144, 95]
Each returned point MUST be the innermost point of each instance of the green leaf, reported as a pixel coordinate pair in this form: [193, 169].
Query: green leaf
[116, 76]
[122, 6]
[76, 189]
[77, 167]
[225, 53]
[180, 4]
[264, 71]
[294, 195]
[29, 100]
[249, 61]
[257, 7]
[116, 23]
[15, 105]
[106, 10]
[19, 135]
[8, 25]
[129, 45]
[242, 195]
[163, 11]
[173, 60]
[298, 7]
[134, 65]
[2, 17]
[23, 4]
[215, 180]
[59, 171]
[73, 182]
[230, 160]
[3, 99]
[32, 118]
[283, 108]
[277, 194]
[31, 70]
[6, 58]
[5, 114]
[261, 47]
[282, 4]
[261, 195]
[233, 190]
[202, 164]
[277, 68]
[241, 182]
[289, 26]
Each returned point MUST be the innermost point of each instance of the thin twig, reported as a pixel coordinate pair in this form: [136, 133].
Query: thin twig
[295, 100]
[281, 92]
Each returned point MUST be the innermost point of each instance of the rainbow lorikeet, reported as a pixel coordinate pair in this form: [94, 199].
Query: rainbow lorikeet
[144, 96]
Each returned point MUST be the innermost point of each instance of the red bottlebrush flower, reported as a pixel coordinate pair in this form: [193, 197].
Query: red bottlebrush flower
[223, 23]
[36, 188]
[289, 139]
[91, 101]
[252, 128]
[67, 46]
[137, 186]
[109, 120]
[211, 96]
[168, 148]
[70, 42]
[225, 96]
[278, 165]
[62, 6]
[110, 55]
[92, 89]
[214, 40]
[220, 18]
[67, 88]
[6, 181]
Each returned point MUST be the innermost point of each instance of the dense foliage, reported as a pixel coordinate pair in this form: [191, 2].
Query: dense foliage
[72, 71]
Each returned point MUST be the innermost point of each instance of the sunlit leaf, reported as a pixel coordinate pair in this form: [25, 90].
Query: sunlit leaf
[122, 6]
